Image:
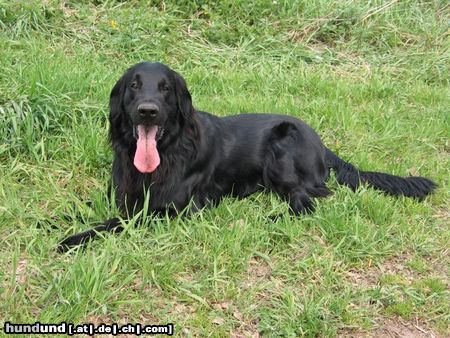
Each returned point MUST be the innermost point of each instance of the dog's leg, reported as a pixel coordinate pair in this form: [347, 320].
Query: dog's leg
[293, 168]
[280, 176]
[299, 200]
[111, 225]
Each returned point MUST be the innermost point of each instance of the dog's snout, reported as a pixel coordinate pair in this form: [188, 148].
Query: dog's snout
[148, 110]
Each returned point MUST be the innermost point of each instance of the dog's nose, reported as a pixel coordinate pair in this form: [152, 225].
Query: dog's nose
[148, 110]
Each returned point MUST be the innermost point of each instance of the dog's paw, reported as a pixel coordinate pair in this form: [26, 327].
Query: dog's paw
[71, 242]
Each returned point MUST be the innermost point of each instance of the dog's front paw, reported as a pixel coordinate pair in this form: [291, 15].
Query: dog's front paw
[73, 241]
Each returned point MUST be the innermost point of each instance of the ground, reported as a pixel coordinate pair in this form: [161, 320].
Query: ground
[371, 77]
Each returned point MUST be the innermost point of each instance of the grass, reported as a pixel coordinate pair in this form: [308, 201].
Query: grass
[371, 77]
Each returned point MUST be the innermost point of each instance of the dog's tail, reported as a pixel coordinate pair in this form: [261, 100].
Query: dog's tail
[347, 174]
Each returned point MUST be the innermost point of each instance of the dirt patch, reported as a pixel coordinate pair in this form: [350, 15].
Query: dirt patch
[393, 328]
[396, 265]
[369, 276]
[258, 270]
[437, 267]
[397, 328]
[245, 332]
[21, 273]
[246, 325]
[443, 214]
[181, 310]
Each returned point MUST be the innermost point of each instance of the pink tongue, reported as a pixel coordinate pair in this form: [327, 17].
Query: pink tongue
[146, 158]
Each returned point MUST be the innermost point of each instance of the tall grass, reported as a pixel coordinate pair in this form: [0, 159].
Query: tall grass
[371, 77]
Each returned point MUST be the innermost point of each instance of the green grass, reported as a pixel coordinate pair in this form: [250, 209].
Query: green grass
[371, 77]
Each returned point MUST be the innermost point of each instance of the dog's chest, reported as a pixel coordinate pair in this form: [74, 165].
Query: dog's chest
[180, 193]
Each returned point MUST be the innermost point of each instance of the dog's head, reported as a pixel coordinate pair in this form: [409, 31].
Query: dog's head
[149, 106]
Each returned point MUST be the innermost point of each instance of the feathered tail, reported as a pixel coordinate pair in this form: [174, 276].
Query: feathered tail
[347, 174]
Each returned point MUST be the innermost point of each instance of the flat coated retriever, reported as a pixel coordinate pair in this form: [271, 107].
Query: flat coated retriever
[188, 158]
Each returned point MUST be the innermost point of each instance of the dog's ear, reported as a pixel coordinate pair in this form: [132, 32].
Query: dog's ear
[187, 115]
[116, 114]
[183, 97]
[115, 100]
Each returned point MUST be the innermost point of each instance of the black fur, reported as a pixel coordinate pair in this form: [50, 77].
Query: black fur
[347, 174]
[204, 157]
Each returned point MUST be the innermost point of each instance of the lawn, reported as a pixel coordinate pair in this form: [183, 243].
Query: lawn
[372, 77]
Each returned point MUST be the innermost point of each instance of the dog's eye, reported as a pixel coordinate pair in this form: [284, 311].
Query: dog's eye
[165, 88]
[134, 85]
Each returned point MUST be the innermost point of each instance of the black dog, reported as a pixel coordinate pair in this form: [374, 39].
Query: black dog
[185, 157]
